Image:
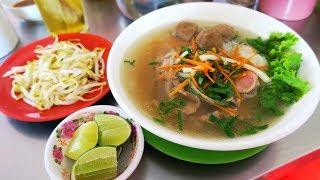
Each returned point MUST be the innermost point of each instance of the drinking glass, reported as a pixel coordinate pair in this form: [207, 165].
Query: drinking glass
[63, 16]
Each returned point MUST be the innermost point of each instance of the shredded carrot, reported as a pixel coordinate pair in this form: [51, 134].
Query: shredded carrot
[230, 111]
[190, 61]
[235, 51]
[178, 69]
[179, 87]
[203, 66]
[175, 66]
[222, 52]
[161, 77]
[194, 82]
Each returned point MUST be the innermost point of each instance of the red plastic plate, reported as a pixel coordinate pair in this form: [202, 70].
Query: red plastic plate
[20, 110]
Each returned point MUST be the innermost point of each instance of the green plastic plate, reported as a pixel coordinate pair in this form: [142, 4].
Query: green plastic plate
[198, 155]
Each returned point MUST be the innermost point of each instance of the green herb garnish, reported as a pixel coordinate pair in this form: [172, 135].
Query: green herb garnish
[200, 80]
[170, 106]
[275, 46]
[184, 49]
[219, 91]
[166, 106]
[226, 124]
[285, 69]
[286, 87]
[275, 94]
[202, 51]
[180, 119]
[153, 63]
[232, 126]
[131, 62]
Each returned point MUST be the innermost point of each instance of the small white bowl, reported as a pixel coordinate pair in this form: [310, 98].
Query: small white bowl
[27, 13]
[59, 167]
[239, 17]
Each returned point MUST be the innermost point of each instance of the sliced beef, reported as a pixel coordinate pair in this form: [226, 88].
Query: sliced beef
[192, 103]
[215, 36]
[246, 82]
[186, 30]
[169, 58]
[204, 117]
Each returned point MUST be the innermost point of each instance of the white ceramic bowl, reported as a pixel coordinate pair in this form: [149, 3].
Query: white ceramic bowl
[236, 16]
[60, 168]
[28, 13]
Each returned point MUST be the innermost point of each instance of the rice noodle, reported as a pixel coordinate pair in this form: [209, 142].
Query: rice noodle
[258, 72]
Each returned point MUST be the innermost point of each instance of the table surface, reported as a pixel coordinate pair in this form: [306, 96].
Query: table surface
[23, 144]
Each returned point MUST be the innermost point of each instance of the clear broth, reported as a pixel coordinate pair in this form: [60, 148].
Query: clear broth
[144, 90]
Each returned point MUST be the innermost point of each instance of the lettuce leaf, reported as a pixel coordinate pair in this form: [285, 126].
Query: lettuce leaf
[275, 46]
[285, 69]
[273, 94]
[286, 87]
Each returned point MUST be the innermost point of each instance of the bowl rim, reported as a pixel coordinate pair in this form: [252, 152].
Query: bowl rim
[199, 143]
[8, 6]
[136, 158]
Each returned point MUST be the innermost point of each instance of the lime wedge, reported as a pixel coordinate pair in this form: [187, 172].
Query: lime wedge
[113, 130]
[84, 139]
[98, 163]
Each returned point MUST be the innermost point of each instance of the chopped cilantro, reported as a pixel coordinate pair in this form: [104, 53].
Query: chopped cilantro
[153, 63]
[184, 49]
[169, 106]
[180, 119]
[232, 126]
[202, 51]
[219, 91]
[226, 124]
[131, 62]
[200, 78]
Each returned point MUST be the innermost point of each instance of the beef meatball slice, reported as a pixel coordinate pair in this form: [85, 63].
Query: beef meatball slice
[215, 36]
[186, 30]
